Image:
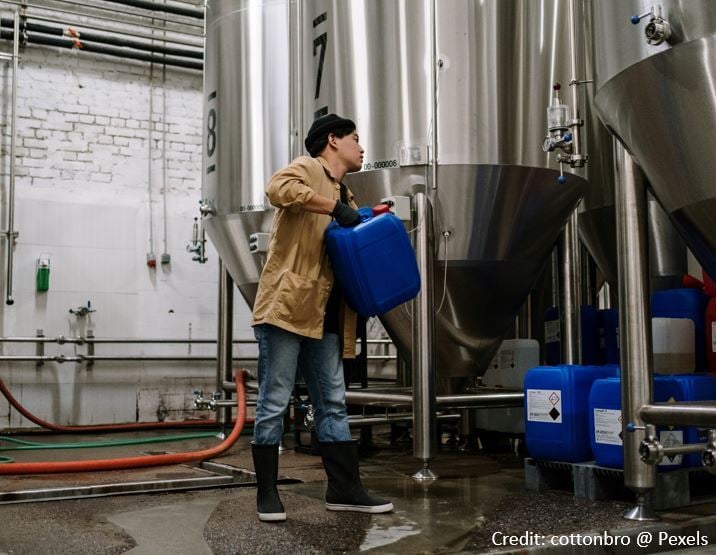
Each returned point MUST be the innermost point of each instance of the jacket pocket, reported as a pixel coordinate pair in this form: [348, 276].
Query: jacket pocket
[300, 301]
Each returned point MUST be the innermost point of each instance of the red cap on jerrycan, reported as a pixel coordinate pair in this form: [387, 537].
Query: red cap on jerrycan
[382, 208]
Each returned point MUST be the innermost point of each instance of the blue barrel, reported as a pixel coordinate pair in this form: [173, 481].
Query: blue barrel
[695, 387]
[556, 411]
[605, 420]
[373, 263]
[551, 320]
[684, 303]
[589, 334]
[609, 335]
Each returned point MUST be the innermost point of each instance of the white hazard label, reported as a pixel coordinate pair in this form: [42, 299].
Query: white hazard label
[671, 438]
[552, 331]
[545, 405]
[608, 426]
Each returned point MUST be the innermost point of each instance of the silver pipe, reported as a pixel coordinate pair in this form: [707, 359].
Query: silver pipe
[166, 18]
[107, 340]
[378, 399]
[684, 449]
[11, 186]
[134, 34]
[294, 62]
[575, 127]
[570, 301]
[679, 414]
[300, 73]
[118, 340]
[587, 284]
[434, 96]
[507, 399]
[228, 405]
[555, 276]
[635, 328]
[224, 335]
[102, 17]
[424, 387]
[382, 399]
[41, 358]
[100, 358]
[357, 421]
[167, 358]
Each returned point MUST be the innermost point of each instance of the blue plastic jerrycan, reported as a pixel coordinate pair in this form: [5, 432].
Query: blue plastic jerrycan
[373, 263]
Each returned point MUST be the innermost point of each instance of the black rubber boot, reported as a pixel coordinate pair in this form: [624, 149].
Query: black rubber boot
[345, 491]
[266, 466]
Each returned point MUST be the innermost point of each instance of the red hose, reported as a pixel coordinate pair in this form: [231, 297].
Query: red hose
[130, 426]
[139, 462]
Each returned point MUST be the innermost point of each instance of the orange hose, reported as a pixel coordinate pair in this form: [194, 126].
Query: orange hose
[139, 462]
[130, 426]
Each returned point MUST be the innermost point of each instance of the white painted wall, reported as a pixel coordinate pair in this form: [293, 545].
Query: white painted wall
[82, 196]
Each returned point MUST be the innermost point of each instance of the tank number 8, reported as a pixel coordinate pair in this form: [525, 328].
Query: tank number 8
[211, 133]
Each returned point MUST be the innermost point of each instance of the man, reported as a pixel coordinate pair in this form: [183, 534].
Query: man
[301, 321]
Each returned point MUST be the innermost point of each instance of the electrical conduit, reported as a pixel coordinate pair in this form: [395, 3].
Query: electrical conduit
[143, 461]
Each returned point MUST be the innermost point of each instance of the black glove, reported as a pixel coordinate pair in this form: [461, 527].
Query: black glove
[345, 215]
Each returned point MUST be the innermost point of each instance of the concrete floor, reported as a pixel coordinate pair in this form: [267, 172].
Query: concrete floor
[477, 505]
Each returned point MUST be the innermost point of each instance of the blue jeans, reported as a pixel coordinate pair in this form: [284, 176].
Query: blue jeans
[282, 355]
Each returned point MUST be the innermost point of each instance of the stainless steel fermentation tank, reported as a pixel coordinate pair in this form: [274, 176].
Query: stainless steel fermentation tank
[668, 259]
[658, 97]
[449, 98]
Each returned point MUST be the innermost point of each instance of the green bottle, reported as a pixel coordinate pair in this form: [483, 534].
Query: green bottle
[43, 273]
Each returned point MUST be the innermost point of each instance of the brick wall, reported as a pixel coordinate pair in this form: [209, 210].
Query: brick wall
[82, 167]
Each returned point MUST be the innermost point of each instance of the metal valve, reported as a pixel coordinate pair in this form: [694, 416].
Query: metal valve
[205, 208]
[658, 30]
[651, 451]
[82, 311]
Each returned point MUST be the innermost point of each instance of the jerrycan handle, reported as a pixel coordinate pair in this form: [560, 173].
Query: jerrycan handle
[366, 213]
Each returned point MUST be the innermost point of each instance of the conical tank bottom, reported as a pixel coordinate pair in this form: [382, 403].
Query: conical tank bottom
[663, 110]
[503, 222]
[230, 234]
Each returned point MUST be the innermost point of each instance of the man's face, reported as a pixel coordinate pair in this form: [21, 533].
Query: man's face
[350, 151]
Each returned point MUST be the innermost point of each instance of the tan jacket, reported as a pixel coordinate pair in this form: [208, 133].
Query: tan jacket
[297, 278]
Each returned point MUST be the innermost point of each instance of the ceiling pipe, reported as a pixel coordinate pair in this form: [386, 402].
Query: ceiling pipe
[83, 36]
[46, 40]
[157, 7]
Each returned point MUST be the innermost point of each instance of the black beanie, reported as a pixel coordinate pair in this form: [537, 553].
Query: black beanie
[325, 125]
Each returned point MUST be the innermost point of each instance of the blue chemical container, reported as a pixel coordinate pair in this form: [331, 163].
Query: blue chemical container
[590, 343]
[605, 420]
[695, 387]
[556, 411]
[609, 335]
[373, 262]
[551, 321]
[684, 303]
